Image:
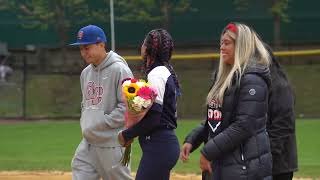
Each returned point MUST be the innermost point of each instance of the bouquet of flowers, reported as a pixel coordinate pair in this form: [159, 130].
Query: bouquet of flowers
[138, 96]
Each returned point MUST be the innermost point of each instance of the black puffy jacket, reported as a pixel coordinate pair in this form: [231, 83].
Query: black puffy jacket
[281, 122]
[241, 150]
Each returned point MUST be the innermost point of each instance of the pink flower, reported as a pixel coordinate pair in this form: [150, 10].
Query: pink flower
[145, 92]
[154, 92]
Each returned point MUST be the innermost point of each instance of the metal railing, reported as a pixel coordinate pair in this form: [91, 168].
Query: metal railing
[202, 56]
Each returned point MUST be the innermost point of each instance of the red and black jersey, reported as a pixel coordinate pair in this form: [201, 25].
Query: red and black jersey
[214, 117]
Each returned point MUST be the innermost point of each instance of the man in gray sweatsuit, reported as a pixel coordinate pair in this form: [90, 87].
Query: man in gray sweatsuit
[102, 110]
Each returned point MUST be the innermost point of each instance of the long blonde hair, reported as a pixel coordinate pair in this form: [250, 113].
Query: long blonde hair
[249, 50]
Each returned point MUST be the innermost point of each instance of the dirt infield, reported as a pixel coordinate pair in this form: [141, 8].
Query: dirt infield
[18, 175]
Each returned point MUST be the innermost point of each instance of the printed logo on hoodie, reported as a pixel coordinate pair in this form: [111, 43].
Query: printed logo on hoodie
[93, 93]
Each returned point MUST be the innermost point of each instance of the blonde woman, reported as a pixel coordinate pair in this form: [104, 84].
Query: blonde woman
[237, 143]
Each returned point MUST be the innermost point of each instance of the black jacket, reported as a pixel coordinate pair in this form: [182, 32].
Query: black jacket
[242, 149]
[281, 122]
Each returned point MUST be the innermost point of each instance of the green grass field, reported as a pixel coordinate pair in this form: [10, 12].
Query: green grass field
[50, 146]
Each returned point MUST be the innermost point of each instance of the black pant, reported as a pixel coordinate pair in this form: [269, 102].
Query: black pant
[160, 153]
[284, 176]
[206, 176]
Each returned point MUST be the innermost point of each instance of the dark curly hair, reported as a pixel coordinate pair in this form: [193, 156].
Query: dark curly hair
[159, 47]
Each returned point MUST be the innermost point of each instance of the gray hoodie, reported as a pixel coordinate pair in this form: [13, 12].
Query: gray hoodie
[102, 109]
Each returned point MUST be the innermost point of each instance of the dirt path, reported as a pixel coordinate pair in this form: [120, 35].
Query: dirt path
[18, 175]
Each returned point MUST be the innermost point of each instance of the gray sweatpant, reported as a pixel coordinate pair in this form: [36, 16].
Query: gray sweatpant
[92, 163]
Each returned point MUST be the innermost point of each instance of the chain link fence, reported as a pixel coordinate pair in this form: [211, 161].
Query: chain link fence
[51, 89]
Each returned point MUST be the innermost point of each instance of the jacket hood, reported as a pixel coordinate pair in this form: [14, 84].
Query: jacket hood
[108, 61]
[260, 70]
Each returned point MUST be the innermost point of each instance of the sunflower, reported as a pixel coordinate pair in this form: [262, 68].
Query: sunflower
[131, 90]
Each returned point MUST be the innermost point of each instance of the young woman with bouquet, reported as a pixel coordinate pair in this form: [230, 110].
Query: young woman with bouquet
[159, 143]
